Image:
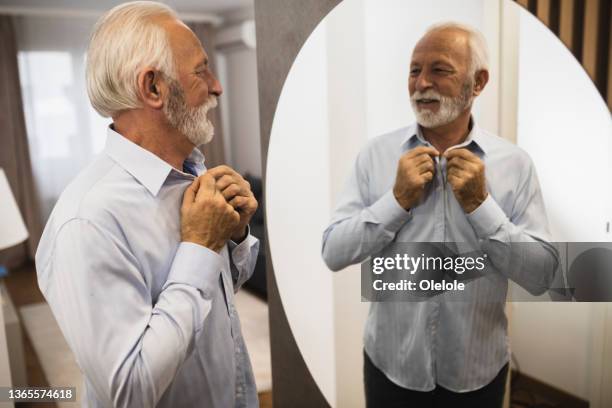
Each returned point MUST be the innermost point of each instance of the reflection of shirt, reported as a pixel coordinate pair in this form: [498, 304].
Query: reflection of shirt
[460, 345]
[151, 320]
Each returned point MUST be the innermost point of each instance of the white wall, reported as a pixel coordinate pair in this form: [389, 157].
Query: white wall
[565, 127]
[237, 69]
[240, 106]
[347, 133]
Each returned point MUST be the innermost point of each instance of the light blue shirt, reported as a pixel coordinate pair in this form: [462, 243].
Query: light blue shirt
[460, 345]
[150, 319]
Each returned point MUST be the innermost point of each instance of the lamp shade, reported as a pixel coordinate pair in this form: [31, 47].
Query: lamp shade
[12, 228]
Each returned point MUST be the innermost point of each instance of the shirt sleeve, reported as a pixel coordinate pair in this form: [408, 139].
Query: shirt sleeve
[358, 230]
[127, 344]
[243, 258]
[518, 246]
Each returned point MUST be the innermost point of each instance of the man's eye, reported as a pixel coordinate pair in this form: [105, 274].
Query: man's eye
[414, 72]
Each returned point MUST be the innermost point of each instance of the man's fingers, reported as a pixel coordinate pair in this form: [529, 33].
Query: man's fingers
[239, 202]
[233, 212]
[207, 186]
[247, 205]
[426, 166]
[463, 153]
[229, 183]
[457, 174]
[190, 192]
[455, 170]
[452, 179]
[427, 176]
[232, 191]
[423, 158]
[459, 162]
[428, 150]
[220, 171]
[224, 181]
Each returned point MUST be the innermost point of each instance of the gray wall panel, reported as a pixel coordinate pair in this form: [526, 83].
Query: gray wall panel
[282, 26]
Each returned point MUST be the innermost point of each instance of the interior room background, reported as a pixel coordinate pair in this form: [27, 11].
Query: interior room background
[49, 132]
[63, 132]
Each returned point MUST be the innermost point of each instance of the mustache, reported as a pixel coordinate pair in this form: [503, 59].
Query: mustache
[429, 94]
[210, 103]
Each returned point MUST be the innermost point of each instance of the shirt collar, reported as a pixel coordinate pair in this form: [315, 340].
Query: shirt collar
[147, 168]
[414, 136]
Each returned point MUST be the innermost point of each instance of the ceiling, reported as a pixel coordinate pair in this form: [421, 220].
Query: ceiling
[184, 6]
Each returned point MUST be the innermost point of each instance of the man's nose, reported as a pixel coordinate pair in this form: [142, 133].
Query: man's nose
[214, 86]
[423, 82]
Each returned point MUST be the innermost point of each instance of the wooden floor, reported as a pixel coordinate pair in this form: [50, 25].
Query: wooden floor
[23, 289]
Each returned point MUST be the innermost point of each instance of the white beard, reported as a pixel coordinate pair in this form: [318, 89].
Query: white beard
[193, 123]
[450, 108]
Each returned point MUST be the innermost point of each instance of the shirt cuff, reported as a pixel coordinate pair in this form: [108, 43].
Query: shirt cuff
[197, 266]
[487, 218]
[233, 244]
[243, 249]
[389, 213]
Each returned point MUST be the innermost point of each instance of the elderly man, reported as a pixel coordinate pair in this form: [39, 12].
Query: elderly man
[144, 250]
[442, 180]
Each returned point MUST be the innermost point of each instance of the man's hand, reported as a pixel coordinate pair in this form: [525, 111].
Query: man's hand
[206, 217]
[415, 169]
[465, 174]
[237, 192]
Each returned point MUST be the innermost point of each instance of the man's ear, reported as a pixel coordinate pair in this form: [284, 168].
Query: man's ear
[481, 78]
[149, 88]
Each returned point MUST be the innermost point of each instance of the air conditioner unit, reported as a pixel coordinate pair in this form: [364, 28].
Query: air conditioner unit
[237, 36]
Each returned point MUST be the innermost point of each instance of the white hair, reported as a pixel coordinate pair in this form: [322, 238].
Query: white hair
[124, 40]
[479, 55]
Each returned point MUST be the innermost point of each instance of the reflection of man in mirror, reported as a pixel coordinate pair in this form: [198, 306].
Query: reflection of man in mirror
[442, 179]
[143, 252]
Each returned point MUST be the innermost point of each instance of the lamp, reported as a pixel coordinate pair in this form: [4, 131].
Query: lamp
[12, 232]
[12, 228]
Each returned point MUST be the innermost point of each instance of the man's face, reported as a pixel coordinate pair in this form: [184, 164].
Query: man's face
[195, 89]
[440, 84]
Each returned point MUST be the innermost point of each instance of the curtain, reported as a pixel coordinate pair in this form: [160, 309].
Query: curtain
[14, 153]
[213, 151]
[64, 131]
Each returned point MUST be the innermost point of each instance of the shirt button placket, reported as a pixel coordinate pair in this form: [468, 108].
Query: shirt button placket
[433, 327]
[439, 202]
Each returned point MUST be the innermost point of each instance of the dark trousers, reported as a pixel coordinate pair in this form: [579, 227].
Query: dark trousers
[382, 393]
